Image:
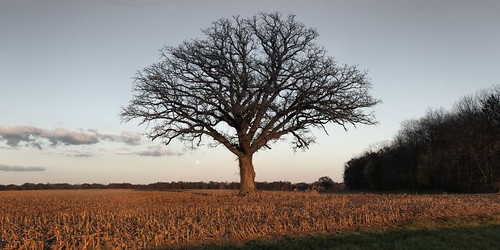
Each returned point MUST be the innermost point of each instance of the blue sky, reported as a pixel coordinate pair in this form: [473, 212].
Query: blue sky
[66, 69]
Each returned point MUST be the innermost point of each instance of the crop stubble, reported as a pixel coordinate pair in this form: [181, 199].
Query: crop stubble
[119, 219]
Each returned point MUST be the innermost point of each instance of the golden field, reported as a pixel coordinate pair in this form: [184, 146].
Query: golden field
[120, 219]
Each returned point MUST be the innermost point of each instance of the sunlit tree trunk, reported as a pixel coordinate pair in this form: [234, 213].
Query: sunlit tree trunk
[247, 174]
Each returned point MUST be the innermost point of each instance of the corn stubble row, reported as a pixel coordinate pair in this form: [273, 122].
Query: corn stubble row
[120, 219]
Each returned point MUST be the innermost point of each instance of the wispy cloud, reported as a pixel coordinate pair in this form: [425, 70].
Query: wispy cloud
[79, 155]
[129, 138]
[7, 168]
[35, 137]
[156, 151]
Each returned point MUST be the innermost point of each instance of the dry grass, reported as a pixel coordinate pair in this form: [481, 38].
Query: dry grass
[119, 219]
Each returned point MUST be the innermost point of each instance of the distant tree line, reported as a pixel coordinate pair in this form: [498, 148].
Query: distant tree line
[324, 183]
[452, 151]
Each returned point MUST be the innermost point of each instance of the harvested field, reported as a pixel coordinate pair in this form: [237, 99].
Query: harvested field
[119, 219]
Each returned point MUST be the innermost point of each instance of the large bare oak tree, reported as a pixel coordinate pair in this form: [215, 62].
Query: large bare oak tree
[247, 83]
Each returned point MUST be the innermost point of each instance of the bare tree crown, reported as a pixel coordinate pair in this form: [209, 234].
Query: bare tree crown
[246, 84]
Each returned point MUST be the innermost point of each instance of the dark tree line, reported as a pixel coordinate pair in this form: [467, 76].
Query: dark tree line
[153, 186]
[453, 151]
[324, 182]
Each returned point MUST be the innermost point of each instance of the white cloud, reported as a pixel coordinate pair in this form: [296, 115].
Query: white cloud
[7, 168]
[79, 155]
[35, 137]
[130, 138]
[157, 151]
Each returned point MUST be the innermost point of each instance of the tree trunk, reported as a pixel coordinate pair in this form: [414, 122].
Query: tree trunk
[247, 175]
